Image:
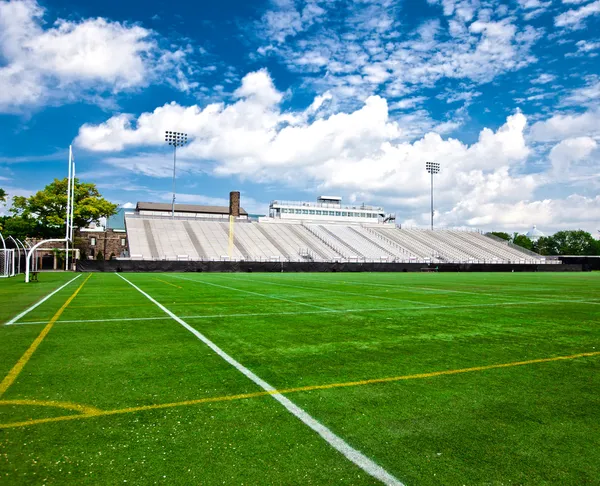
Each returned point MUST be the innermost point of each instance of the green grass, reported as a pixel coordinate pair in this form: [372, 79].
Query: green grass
[530, 424]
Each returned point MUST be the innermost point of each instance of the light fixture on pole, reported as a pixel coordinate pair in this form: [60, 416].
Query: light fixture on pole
[175, 139]
[432, 168]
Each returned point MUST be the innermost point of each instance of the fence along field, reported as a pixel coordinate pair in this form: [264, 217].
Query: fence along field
[301, 378]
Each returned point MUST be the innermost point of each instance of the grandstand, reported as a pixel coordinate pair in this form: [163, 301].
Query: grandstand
[325, 231]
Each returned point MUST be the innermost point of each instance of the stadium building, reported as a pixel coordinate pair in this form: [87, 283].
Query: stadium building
[298, 231]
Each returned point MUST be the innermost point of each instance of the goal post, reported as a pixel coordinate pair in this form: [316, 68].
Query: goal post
[32, 250]
[7, 262]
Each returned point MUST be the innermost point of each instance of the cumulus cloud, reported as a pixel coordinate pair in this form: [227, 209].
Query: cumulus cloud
[76, 59]
[562, 126]
[363, 154]
[567, 153]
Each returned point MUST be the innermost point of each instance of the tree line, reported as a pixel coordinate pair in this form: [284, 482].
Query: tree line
[573, 242]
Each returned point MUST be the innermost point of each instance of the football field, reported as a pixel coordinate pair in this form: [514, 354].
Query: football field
[329, 378]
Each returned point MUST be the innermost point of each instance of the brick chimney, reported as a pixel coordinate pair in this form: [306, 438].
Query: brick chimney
[234, 203]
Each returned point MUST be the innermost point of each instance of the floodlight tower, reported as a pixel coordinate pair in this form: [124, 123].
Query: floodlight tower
[176, 139]
[433, 168]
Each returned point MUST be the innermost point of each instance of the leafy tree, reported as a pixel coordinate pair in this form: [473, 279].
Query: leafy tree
[48, 207]
[2, 195]
[546, 246]
[21, 228]
[502, 234]
[577, 242]
[523, 241]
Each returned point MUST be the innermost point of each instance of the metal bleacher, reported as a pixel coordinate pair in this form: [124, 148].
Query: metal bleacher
[159, 238]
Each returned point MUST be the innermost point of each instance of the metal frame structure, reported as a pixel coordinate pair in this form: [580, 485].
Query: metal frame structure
[433, 168]
[68, 220]
[7, 269]
[18, 266]
[175, 139]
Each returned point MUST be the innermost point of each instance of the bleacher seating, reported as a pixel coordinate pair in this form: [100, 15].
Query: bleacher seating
[156, 238]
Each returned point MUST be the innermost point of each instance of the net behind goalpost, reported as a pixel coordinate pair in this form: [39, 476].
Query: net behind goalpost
[7, 263]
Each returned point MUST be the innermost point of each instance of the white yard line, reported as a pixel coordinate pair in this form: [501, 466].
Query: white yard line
[27, 311]
[333, 311]
[332, 439]
[320, 289]
[254, 293]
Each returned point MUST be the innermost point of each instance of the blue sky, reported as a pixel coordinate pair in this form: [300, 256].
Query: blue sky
[290, 99]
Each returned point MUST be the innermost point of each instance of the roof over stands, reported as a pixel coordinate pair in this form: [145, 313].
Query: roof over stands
[186, 208]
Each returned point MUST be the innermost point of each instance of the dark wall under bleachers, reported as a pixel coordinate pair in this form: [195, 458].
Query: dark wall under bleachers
[186, 266]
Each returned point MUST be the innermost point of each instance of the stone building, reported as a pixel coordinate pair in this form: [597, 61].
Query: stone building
[110, 243]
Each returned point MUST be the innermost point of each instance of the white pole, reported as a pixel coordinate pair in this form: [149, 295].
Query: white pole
[5, 269]
[19, 250]
[72, 209]
[24, 252]
[33, 248]
[68, 209]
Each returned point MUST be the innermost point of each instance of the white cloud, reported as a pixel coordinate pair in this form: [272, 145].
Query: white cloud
[408, 103]
[364, 49]
[72, 60]
[564, 126]
[574, 211]
[587, 95]
[544, 78]
[365, 156]
[587, 46]
[289, 17]
[568, 152]
[361, 152]
[574, 18]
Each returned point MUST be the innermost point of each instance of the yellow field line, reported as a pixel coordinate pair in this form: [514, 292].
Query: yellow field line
[168, 283]
[85, 409]
[227, 398]
[16, 370]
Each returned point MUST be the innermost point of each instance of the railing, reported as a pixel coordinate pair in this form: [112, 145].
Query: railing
[389, 241]
[512, 245]
[325, 241]
[274, 259]
[307, 204]
[220, 219]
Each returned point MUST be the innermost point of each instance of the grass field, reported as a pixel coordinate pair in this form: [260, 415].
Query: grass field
[286, 379]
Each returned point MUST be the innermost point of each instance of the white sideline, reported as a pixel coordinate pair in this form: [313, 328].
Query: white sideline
[27, 311]
[255, 293]
[332, 439]
[333, 311]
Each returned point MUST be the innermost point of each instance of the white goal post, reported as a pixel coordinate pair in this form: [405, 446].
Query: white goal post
[7, 262]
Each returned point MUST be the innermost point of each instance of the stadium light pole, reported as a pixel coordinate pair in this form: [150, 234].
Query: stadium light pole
[175, 139]
[433, 168]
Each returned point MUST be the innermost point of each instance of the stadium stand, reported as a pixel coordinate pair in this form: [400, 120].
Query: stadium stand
[304, 235]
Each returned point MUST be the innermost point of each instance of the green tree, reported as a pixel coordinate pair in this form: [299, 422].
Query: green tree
[2, 195]
[502, 234]
[577, 242]
[48, 207]
[21, 228]
[546, 246]
[523, 241]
